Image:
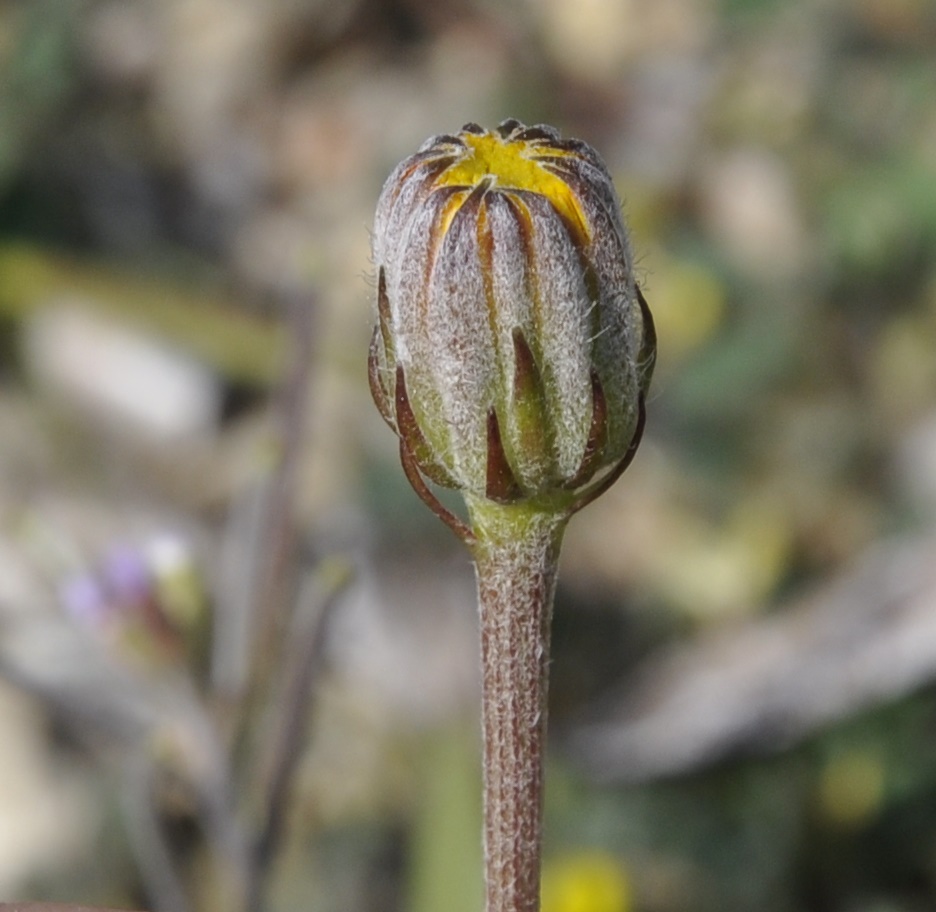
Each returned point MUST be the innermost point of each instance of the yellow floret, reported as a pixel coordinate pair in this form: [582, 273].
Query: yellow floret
[513, 167]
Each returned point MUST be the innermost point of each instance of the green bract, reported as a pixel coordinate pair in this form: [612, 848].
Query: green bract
[513, 349]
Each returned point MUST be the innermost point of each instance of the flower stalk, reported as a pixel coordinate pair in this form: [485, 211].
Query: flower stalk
[512, 355]
[516, 559]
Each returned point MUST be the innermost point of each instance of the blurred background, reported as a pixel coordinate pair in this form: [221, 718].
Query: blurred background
[237, 654]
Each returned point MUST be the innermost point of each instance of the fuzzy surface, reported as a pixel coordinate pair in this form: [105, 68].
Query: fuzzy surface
[483, 235]
[516, 560]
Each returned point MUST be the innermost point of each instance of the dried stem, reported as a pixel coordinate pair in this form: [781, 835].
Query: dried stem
[278, 577]
[302, 665]
[148, 839]
[516, 556]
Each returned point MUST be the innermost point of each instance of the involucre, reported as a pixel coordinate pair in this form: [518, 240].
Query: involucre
[513, 349]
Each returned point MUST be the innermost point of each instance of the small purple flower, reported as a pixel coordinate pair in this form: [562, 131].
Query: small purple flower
[126, 575]
[83, 598]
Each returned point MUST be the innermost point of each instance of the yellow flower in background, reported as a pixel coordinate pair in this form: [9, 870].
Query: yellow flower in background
[689, 304]
[852, 788]
[592, 882]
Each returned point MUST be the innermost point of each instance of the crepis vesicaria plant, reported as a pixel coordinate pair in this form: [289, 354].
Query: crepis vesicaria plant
[512, 356]
[514, 349]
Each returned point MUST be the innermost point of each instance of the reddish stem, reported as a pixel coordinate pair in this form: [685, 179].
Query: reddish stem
[516, 556]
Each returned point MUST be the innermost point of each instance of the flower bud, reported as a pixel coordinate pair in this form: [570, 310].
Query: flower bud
[513, 348]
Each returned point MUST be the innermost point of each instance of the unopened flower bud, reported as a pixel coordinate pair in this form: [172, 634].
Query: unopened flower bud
[513, 348]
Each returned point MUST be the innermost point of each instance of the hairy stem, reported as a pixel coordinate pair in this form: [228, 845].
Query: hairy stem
[516, 556]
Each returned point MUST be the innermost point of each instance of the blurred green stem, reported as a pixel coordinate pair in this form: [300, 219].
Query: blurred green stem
[516, 554]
